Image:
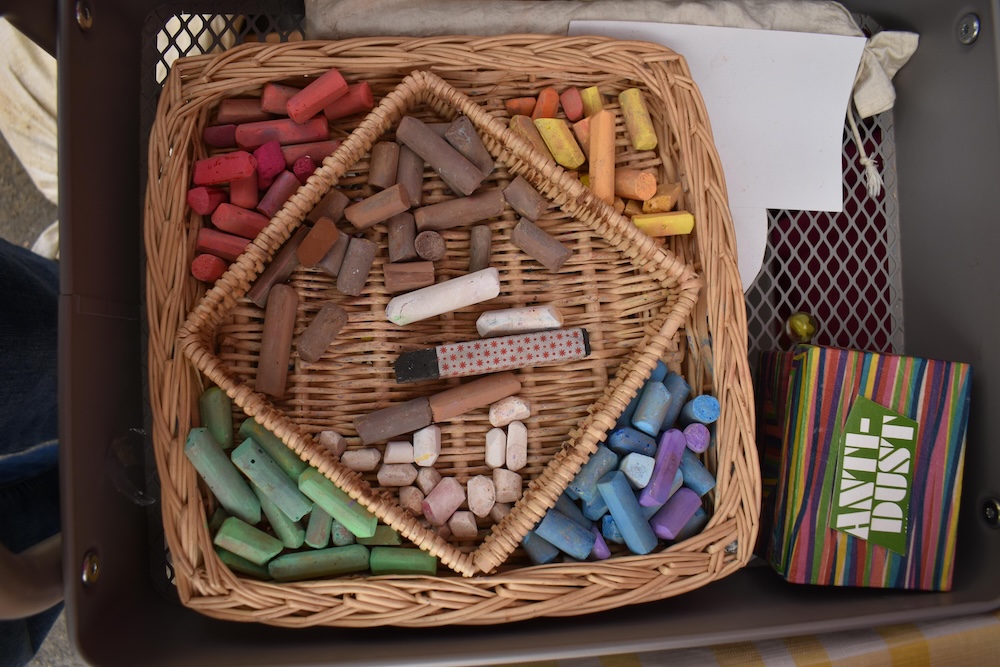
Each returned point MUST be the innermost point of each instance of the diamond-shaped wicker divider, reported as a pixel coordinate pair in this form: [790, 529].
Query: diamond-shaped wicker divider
[636, 316]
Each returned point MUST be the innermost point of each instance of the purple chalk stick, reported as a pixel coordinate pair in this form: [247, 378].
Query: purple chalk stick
[284, 186]
[270, 163]
[601, 551]
[668, 459]
[697, 436]
[303, 168]
[675, 514]
[220, 136]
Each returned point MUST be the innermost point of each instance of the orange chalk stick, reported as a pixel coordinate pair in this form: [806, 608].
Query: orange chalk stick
[547, 104]
[602, 156]
[572, 104]
[520, 106]
[635, 184]
[664, 199]
[581, 130]
[664, 224]
[559, 139]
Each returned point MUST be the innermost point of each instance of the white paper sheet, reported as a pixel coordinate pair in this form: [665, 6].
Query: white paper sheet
[777, 102]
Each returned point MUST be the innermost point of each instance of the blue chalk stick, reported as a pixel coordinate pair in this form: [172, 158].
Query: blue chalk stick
[584, 485]
[696, 476]
[694, 525]
[624, 441]
[651, 409]
[702, 409]
[624, 508]
[595, 508]
[565, 534]
[659, 372]
[539, 551]
[609, 530]
[626, 416]
[679, 391]
[572, 511]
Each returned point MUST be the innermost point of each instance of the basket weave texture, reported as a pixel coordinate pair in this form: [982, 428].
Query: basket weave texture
[638, 299]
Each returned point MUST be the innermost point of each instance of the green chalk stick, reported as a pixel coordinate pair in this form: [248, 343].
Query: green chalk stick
[340, 536]
[318, 528]
[242, 565]
[397, 560]
[337, 503]
[291, 533]
[267, 476]
[215, 522]
[217, 415]
[242, 539]
[319, 563]
[276, 449]
[222, 477]
[384, 536]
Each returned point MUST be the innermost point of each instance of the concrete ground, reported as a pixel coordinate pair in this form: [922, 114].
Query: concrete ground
[24, 213]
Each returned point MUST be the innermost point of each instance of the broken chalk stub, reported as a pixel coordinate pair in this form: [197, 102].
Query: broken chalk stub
[427, 445]
[517, 446]
[540, 245]
[509, 409]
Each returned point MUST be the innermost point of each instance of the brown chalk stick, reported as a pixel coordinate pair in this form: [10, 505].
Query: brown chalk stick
[463, 136]
[483, 205]
[525, 128]
[471, 395]
[331, 206]
[378, 207]
[278, 271]
[538, 244]
[385, 160]
[402, 232]
[525, 199]
[407, 277]
[457, 172]
[480, 240]
[318, 242]
[410, 174]
[334, 258]
[325, 326]
[357, 263]
[430, 246]
[397, 419]
[276, 341]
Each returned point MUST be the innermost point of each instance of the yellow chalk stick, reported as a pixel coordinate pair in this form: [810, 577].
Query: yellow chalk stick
[664, 224]
[666, 197]
[637, 120]
[592, 99]
[525, 128]
[585, 179]
[559, 139]
[602, 156]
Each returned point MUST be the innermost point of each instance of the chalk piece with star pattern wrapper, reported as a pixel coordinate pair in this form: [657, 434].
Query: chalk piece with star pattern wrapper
[492, 355]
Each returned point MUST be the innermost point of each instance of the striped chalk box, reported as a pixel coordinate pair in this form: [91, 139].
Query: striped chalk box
[871, 470]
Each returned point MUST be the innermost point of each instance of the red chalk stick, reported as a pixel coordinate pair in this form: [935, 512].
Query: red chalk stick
[284, 187]
[572, 104]
[274, 98]
[204, 201]
[239, 221]
[283, 130]
[220, 244]
[316, 96]
[270, 163]
[243, 192]
[357, 99]
[220, 136]
[303, 168]
[240, 110]
[317, 150]
[208, 268]
[223, 168]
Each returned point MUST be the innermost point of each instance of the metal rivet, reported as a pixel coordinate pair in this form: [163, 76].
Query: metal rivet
[733, 547]
[84, 14]
[991, 512]
[968, 29]
[91, 568]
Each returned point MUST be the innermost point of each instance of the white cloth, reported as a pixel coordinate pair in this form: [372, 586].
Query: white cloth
[873, 92]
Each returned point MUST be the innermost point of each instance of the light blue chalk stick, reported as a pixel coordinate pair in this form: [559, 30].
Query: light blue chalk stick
[638, 468]
[565, 534]
[595, 508]
[573, 511]
[268, 476]
[584, 485]
[694, 525]
[626, 417]
[624, 508]
[703, 409]
[659, 372]
[648, 512]
[696, 476]
[609, 530]
[651, 409]
[539, 550]
[679, 390]
[624, 441]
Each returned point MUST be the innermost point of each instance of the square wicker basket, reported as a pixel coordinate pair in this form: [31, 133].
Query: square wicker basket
[638, 298]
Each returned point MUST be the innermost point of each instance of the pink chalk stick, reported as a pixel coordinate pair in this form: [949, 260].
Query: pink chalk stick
[220, 244]
[270, 163]
[223, 168]
[319, 94]
[220, 136]
[284, 187]
[283, 130]
[239, 221]
[317, 150]
[303, 168]
[208, 268]
[274, 98]
[204, 200]
[572, 104]
[442, 502]
[240, 110]
[358, 98]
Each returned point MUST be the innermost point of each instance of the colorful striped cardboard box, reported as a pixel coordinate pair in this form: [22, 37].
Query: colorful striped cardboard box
[773, 373]
[823, 388]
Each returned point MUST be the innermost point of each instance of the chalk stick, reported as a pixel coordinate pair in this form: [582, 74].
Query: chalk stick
[698, 437]
[518, 320]
[525, 199]
[365, 459]
[508, 484]
[239, 221]
[321, 332]
[278, 270]
[430, 246]
[284, 186]
[659, 225]
[480, 241]
[221, 476]
[496, 448]
[592, 100]
[268, 477]
[283, 130]
[410, 174]
[222, 245]
[601, 156]
[223, 168]
[384, 162]
[539, 245]
[640, 128]
[407, 277]
[572, 103]
[308, 565]
[510, 409]
[482, 205]
[482, 495]
[702, 409]
[397, 419]
[333, 260]
[337, 503]
[303, 169]
[546, 104]
[679, 391]
[242, 565]
[696, 476]
[517, 446]
[203, 200]
[462, 135]
[520, 106]
[559, 139]
[525, 128]
[276, 341]
[540, 551]
[446, 497]
[664, 198]
[380, 206]
[320, 93]
[317, 243]
[694, 525]
[471, 395]
[216, 411]
[397, 474]
[584, 484]
[357, 264]
[565, 534]
[275, 448]
[291, 533]
[331, 206]
[401, 561]
[402, 231]
[444, 297]
[667, 460]
[270, 163]
[456, 171]
[208, 268]
[637, 468]
[651, 408]
[675, 514]
[220, 136]
[626, 440]
[427, 445]
[240, 110]
[243, 192]
[357, 99]
[240, 538]
[318, 528]
[624, 509]
[317, 151]
[274, 97]
[635, 184]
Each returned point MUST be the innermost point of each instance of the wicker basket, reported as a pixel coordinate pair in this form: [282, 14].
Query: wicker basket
[631, 293]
